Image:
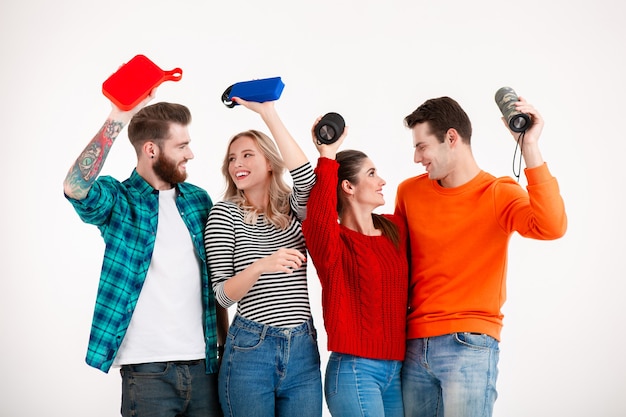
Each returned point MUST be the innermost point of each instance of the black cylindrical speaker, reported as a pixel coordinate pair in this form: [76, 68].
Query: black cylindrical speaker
[329, 128]
[506, 99]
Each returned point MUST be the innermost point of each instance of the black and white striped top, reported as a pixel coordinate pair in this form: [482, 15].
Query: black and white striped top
[276, 299]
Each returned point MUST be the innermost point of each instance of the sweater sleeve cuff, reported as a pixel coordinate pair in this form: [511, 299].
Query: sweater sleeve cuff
[325, 160]
[538, 174]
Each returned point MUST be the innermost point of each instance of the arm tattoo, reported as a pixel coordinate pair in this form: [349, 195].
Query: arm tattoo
[89, 164]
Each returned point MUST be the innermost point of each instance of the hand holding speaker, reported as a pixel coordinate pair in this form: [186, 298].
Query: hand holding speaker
[260, 91]
[329, 128]
[517, 121]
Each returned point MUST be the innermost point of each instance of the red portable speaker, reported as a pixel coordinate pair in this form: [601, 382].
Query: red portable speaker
[134, 81]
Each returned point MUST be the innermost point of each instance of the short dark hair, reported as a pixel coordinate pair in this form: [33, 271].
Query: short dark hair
[441, 114]
[153, 122]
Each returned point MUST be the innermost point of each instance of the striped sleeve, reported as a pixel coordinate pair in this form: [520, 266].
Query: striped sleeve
[219, 243]
[303, 181]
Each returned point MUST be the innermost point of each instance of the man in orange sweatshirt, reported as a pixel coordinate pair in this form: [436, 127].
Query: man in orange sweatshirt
[460, 219]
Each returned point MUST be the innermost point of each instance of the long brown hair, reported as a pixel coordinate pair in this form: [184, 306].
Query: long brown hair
[350, 163]
[278, 210]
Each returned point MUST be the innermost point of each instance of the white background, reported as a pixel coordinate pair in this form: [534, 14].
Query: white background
[373, 62]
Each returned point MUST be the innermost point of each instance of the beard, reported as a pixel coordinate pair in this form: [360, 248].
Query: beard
[168, 171]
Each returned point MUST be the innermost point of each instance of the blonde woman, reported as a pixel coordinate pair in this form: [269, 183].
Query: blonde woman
[256, 255]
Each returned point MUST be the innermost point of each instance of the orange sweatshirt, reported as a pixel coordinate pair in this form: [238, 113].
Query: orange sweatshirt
[459, 241]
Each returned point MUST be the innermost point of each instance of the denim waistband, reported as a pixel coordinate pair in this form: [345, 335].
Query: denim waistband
[306, 327]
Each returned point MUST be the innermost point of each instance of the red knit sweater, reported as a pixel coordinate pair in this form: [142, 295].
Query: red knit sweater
[364, 278]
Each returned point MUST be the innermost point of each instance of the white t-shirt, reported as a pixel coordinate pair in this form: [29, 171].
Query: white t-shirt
[167, 321]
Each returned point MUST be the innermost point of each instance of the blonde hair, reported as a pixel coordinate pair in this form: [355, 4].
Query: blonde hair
[278, 210]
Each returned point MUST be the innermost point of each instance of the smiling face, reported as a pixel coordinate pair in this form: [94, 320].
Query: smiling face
[174, 152]
[430, 152]
[248, 167]
[368, 187]
[359, 188]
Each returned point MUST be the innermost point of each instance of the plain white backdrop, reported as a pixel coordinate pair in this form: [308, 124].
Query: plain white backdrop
[373, 62]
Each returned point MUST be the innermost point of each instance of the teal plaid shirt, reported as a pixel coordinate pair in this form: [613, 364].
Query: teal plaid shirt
[126, 214]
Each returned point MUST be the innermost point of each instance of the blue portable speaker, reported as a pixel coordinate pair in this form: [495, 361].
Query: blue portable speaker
[266, 89]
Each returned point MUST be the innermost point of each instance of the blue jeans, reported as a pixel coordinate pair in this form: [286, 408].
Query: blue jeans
[168, 389]
[270, 371]
[452, 375]
[362, 387]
